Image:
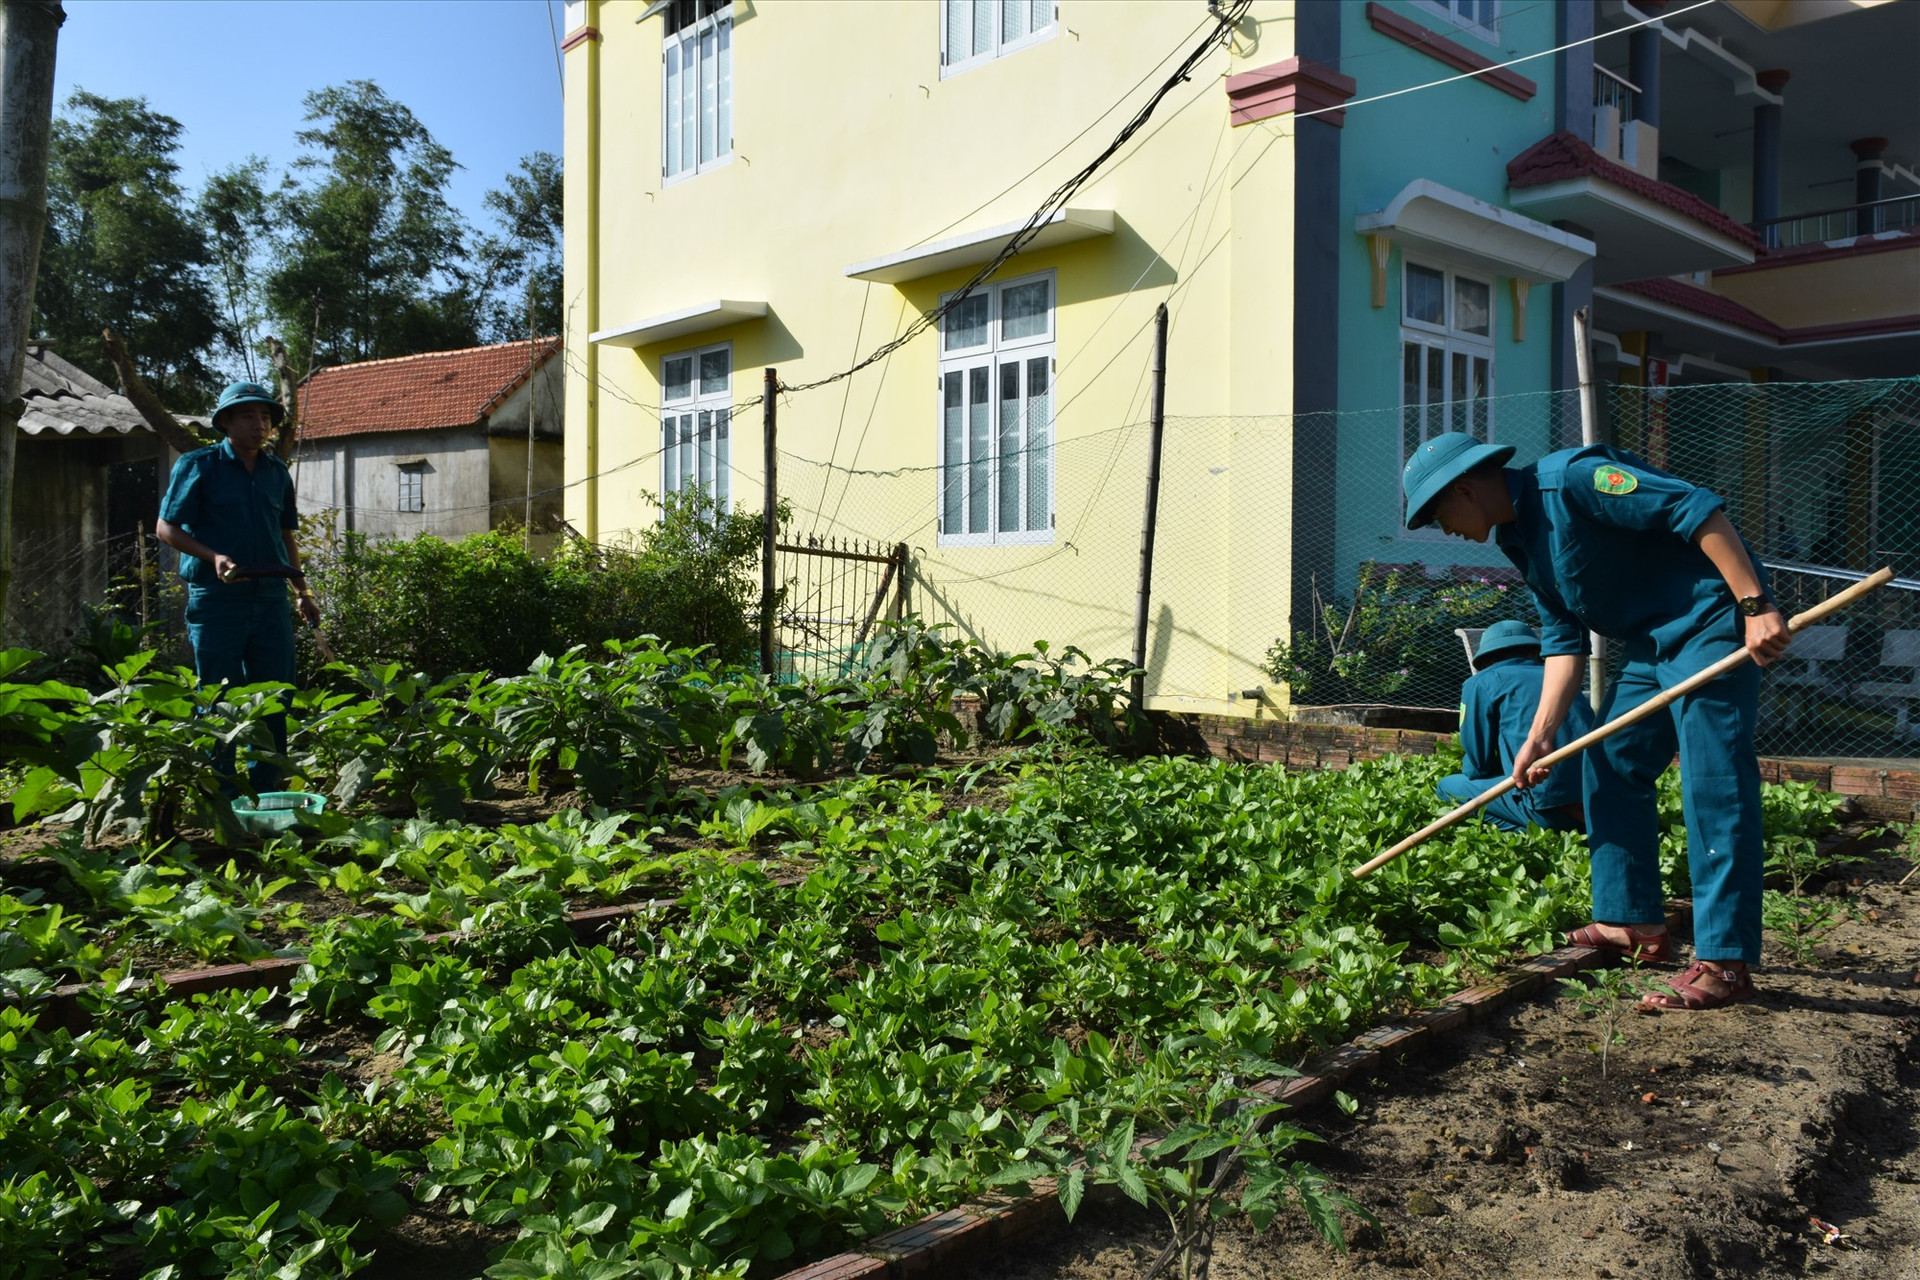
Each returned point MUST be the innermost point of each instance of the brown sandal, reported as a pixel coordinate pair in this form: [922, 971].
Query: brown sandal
[1652, 948]
[1687, 991]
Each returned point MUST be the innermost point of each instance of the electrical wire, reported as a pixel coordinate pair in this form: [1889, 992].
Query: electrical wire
[1224, 24]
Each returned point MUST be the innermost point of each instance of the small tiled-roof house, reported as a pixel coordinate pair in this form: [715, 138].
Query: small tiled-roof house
[435, 443]
[87, 481]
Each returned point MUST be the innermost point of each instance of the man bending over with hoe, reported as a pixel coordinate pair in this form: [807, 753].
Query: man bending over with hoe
[229, 511]
[1498, 704]
[1611, 545]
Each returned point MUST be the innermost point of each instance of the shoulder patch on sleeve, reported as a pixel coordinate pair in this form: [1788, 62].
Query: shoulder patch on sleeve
[1614, 479]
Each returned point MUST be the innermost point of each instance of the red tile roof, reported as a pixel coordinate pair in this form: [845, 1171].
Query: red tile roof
[416, 393]
[1704, 302]
[1564, 155]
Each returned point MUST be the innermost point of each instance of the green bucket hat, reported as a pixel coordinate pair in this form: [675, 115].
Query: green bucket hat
[248, 393]
[1437, 464]
[1503, 638]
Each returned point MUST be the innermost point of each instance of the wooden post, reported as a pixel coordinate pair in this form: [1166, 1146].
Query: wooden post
[769, 517]
[29, 32]
[900, 583]
[1158, 429]
[533, 402]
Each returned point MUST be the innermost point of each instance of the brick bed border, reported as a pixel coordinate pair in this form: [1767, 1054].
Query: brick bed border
[1888, 793]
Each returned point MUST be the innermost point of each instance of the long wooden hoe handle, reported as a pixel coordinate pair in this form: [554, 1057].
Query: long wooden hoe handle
[1827, 607]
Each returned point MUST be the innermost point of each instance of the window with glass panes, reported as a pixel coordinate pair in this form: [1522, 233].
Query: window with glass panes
[1446, 355]
[697, 101]
[976, 31]
[1482, 17]
[996, 415]
[413, 486]
[696, 403]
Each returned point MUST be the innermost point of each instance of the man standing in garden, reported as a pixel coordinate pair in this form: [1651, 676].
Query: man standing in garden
[229, 511]
[1498, 704]
[1612, 545]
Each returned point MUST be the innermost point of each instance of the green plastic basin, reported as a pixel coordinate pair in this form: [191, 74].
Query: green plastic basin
[272, 812]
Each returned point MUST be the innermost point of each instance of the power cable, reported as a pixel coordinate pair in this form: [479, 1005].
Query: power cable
[1224, 22]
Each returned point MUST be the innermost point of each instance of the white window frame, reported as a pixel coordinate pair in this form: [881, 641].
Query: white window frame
[699, 450]
[412, 478]
[971, 483]
[1457, 350]
[712, 92]
[954, 14]
[1459, 13]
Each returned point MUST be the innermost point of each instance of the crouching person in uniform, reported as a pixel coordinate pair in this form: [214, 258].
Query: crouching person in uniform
[1498, 705]
[1612, 545]
[229, 508]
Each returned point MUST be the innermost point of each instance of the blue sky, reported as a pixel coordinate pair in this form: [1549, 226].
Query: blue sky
[482, 75]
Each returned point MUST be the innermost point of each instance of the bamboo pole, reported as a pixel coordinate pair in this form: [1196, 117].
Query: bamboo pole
[1589, 435]
[1800, 621]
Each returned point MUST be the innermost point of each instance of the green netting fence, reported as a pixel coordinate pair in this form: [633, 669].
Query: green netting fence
[1280, 559]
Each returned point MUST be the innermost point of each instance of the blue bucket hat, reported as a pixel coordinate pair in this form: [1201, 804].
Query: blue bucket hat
[1437, 464]
[1502, 638]
[248, 393]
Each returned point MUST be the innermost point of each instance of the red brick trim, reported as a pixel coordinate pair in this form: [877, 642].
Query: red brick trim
[1715, 306]
[1410, 33]
[1853, 329]
[1794, 257]
[581, 36]
[1293, 84]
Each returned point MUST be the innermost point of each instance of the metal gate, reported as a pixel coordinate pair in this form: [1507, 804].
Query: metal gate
[835, 591]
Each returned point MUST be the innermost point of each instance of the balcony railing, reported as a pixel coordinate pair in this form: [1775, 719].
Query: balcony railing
[1900, 213]
[1610, 90]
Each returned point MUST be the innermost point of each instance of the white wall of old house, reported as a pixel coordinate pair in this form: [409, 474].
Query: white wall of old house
[359, 477]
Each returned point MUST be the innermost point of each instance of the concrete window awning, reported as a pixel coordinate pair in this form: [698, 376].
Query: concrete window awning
[972, 248]
[1428, 219]
[699, 318]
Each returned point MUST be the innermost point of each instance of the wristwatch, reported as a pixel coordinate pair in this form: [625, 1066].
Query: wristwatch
[1753, 606]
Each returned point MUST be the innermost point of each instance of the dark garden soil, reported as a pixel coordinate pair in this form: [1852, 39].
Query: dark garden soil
[1704, 1152]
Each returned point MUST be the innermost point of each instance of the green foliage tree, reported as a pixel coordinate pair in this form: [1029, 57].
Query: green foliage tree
[124, 249]
[372, 259]
[235, 210]
[524, 259]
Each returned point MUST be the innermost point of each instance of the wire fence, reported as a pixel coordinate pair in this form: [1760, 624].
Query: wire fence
[1282, 573]
[58, 582]
[1281, 561]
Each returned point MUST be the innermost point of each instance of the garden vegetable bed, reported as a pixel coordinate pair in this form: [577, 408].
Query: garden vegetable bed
[1726, 1146]
[851, 1004]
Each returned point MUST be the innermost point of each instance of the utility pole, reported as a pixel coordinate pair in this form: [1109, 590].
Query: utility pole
[29, 32]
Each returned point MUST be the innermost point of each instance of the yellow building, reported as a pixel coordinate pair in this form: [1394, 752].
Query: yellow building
[792, 186]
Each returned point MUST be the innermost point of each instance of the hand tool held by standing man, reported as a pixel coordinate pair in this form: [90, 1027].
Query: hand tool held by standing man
[1612, 545]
